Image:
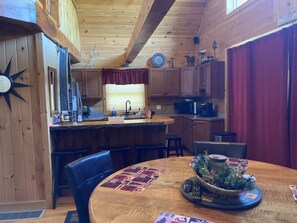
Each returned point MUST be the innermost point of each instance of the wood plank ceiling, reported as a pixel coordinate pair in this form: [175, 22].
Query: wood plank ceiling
[106, 27]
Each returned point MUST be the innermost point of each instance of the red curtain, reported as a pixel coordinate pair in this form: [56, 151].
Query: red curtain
[125, 76]
[268, 123]
[238, 71]
[293, 100]
[258, 113]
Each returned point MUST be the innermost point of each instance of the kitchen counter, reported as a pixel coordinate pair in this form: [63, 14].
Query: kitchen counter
[197, 117]
[98, 135]
[156, 120]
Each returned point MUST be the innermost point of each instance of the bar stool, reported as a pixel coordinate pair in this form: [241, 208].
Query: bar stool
[140, 149]
[58, 159]
[122, 149]
[177, 145]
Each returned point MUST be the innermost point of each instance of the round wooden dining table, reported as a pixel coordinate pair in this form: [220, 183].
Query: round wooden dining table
[110, 205]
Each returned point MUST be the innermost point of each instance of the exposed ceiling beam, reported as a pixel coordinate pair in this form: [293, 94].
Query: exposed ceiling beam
[151, 14]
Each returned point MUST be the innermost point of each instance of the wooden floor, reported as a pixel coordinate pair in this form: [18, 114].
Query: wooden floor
[58, 215]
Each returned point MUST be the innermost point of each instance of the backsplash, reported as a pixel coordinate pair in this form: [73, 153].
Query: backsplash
[167, 105]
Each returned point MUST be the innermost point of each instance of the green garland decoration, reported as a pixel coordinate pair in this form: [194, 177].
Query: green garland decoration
[231, 178]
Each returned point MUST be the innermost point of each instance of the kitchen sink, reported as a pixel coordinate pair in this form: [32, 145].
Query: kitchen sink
[126, 117]
[129, 117]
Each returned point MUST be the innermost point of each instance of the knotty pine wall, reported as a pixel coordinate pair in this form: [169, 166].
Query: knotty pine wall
[68, 21]
[25, 177]
[255, 18]
[106, 27]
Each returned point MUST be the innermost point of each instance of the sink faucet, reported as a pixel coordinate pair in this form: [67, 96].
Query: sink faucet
[126, 103]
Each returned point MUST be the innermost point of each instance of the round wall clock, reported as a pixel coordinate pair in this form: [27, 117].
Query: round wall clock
[158, 60]
[7, 84]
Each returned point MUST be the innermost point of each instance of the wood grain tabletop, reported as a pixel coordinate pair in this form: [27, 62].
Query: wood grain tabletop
[164, 195]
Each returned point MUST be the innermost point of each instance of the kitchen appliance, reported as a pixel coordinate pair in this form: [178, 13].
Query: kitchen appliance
[207, 110]
[186, 107]
[77, 107]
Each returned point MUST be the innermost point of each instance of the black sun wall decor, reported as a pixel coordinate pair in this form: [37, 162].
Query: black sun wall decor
[7, 84]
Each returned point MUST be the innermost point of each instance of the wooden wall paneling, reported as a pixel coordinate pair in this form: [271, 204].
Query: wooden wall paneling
[44, 114]
[283, 6]
[38, 176]
[16, 126]
[256, 18]
[55, 11]
[68, 21]
[26, 120]
[48, 26]
[5, 141]
[110, 27]
[2, 127]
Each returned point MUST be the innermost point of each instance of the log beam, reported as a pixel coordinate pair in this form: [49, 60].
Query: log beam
[151, 14]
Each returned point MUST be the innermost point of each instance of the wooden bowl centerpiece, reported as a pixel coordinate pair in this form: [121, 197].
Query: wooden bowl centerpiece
[214, 174]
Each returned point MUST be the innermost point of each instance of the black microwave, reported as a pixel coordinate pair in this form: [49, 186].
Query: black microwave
[186, 107]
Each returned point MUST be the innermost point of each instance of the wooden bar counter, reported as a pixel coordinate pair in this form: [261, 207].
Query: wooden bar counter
[95, 134]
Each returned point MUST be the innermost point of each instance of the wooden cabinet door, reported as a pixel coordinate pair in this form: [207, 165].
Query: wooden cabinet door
[171, 82]
[211, 79]
[202, 81]
[216, 126]
[217, 79]
[205, 130]
[187, 82]
[93, 84]
[89, 82]
[196, 81]
[156, 82]
[78, 74]
[188, 137]
[201, 131]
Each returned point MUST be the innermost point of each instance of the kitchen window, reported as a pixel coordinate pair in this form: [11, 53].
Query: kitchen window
[231, 5]
[117, 95]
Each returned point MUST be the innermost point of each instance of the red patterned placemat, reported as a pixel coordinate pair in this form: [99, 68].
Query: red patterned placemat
[134, 178]
[166, 217]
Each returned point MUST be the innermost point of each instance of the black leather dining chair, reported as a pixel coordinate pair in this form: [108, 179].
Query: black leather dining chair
[229, 149]
[84, 175]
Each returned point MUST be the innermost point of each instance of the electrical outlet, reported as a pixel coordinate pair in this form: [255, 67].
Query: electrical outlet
[158, 107]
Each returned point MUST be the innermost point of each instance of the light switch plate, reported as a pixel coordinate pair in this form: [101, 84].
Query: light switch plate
[158, 107]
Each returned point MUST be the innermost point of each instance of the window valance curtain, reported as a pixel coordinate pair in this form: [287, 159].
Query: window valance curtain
[125, 76]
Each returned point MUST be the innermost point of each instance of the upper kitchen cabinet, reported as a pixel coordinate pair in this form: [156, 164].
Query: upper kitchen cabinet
[164, 82]
[187, 75]
[89, 82]
[211, 79]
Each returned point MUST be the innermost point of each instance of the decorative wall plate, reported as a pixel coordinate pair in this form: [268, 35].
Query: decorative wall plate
[158, 60]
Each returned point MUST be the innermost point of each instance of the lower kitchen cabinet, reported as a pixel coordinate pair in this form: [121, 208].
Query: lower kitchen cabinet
[201, 130]
[195, 129]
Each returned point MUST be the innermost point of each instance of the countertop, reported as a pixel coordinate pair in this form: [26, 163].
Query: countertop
[197, 117]
[156, 120]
